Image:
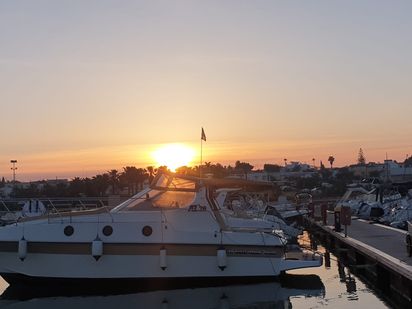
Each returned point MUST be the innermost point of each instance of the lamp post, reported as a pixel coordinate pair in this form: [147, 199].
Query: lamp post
[14, 168]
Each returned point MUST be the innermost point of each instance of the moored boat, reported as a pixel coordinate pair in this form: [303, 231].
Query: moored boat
[174, 229]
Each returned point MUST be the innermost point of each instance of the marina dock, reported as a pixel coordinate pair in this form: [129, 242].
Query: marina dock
[374, 251]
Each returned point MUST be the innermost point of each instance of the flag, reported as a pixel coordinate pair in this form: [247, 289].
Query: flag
[203, 136]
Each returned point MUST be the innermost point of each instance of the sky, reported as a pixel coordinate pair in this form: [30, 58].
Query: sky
[87, 86]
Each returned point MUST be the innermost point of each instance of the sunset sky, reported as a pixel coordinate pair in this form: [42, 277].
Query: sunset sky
[87, 86]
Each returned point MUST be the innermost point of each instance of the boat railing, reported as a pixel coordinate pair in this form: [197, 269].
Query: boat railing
[54, 210]
[11, 209]
[5, 206]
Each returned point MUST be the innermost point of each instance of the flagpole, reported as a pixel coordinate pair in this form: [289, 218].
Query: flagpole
[202, 138]
[201, 158]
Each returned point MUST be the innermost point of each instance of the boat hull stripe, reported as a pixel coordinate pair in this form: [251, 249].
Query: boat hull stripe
[143, 249]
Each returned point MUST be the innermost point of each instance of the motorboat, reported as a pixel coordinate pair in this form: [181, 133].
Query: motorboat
[33, 208]
[173, 229]
[289, 211]
[255, 209]
[392, 209]
[30, 208]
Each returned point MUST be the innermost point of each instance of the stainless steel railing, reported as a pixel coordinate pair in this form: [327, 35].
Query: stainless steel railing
[11, 209]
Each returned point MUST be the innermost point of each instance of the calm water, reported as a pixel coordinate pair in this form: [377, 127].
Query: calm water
[333, 287]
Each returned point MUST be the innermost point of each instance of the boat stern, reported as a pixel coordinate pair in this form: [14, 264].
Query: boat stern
[301, 259]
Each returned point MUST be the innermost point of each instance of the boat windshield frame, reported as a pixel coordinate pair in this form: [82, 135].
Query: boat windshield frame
[162, 183]
[165, 182]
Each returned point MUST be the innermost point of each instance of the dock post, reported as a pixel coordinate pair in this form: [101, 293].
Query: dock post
[324, 208]
[327, 259]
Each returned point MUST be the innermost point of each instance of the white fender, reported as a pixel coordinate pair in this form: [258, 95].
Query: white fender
[163, 258]
[97, 248]
[221, 258]
[22, 249]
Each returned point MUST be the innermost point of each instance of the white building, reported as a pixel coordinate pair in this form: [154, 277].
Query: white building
[291, 170]
[389, 170]
[395, 171]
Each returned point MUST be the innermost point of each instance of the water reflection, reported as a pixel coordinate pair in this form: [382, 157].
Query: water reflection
[260, 295]
[331, 285]
[349, 281]
[342, 287]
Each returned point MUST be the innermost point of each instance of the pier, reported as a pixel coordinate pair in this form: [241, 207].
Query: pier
[374, 251]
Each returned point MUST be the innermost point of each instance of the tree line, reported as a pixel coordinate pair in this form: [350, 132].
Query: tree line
[217, 170]
[130, 179]
[111, 182]
[115, 182]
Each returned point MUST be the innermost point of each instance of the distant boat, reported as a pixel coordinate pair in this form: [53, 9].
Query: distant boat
[30, 208]
[238, 207]
[33, 208]
[390, 208]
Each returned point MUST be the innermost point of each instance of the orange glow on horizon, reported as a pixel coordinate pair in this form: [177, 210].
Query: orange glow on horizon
[90, 161]
[173, 155]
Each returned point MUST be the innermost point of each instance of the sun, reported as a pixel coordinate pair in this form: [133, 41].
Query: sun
[173, 156]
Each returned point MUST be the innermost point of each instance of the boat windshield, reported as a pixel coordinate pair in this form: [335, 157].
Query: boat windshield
[167, 192]
[169, 182]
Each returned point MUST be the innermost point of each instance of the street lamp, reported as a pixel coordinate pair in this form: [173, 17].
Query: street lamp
[14, 168]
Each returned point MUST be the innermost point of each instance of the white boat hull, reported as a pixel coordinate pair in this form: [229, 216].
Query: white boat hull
[73, 266]
[159, 233]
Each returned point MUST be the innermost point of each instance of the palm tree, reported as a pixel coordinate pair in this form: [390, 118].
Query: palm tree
[76, 186]
[130, 176]
[141, 176]
[114, 179]
[163, 169]
[286, 160]
[218, 170]
[151, 171]
[331, 159]
[313, 160]
[245, 167]
[100, 183]
[206, 167]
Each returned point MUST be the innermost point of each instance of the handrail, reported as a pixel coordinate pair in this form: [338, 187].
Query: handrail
[5, 206]
[48, 217]
[108, 212]
[57, 208]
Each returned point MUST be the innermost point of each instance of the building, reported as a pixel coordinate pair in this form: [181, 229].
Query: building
[291, 170]
[389, 170]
